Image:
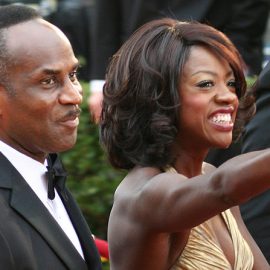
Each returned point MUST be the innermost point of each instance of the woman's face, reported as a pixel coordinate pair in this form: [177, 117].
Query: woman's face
[208, 101]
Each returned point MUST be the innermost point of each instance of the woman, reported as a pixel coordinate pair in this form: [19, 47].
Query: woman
[173, 91]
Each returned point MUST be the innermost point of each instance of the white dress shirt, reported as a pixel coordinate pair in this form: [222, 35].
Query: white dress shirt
[34, 174]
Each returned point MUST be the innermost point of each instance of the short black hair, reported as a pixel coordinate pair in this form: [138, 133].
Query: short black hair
[11, 15]
[16, 13]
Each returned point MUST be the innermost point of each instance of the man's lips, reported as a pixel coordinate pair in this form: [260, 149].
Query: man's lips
[71, 119]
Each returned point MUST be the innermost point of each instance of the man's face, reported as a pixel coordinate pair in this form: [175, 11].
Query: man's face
[42, 114]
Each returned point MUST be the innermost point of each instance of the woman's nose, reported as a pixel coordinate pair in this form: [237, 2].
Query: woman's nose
[226, 95]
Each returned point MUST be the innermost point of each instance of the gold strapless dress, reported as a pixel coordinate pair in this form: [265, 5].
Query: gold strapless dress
[202, 252]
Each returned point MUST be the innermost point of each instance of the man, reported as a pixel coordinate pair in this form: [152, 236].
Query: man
[40, 227]
[256, 212]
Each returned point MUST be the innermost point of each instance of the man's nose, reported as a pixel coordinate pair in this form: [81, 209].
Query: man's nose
[72, 93]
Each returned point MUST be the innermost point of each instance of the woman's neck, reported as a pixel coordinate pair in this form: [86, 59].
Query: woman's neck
[189, 164]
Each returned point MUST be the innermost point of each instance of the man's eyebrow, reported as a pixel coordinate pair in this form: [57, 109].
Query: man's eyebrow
[51, 71]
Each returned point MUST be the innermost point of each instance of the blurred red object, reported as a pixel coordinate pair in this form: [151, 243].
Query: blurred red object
[103, 248]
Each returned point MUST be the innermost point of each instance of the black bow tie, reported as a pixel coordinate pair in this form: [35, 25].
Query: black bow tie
[56, 175]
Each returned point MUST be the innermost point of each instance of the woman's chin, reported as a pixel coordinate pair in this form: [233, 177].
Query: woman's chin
[224, 144]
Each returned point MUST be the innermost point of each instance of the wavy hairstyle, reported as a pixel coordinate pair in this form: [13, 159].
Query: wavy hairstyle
[140, 115]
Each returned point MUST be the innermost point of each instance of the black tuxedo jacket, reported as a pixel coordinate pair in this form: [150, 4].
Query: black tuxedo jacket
[256, 212]
[114, 21]
[30, 238]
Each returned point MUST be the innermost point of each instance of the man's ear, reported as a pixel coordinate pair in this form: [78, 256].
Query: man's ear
[3, 96]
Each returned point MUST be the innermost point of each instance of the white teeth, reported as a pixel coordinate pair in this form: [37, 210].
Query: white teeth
[222, 118]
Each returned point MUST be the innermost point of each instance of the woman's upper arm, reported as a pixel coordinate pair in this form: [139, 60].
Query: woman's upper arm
[176, 203]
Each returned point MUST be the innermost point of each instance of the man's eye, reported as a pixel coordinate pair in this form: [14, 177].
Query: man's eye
[73, 75]
[48, 81]
[205, 84]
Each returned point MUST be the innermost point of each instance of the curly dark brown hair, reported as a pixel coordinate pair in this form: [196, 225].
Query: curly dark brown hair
[140, 115]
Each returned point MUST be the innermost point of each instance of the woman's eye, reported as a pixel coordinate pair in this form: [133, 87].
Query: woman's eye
[205, 84]
[232, 83]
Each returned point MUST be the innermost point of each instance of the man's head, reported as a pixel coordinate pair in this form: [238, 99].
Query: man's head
[11, 15]
[39, 90]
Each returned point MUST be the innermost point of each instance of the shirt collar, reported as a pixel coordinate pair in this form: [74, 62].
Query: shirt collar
[30, 169]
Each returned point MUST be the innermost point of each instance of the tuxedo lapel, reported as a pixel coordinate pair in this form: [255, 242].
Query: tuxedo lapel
[91, 254]
[27, 204]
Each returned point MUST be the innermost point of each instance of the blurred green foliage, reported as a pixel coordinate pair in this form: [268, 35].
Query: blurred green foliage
[251, 80]
[91, 179]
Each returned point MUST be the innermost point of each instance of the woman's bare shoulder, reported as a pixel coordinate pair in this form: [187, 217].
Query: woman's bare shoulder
[146, 182]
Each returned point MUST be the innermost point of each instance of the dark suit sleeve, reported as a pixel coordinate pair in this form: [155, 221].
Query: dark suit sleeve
[106, 35]
[115, 20]
[246, 29]
[6, 259]
[256, 212]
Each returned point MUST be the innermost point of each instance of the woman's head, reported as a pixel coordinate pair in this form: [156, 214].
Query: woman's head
[140, 118]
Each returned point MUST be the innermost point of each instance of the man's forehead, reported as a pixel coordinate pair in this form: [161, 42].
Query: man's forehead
[38, 46]
[33, 39]
[37, 30]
